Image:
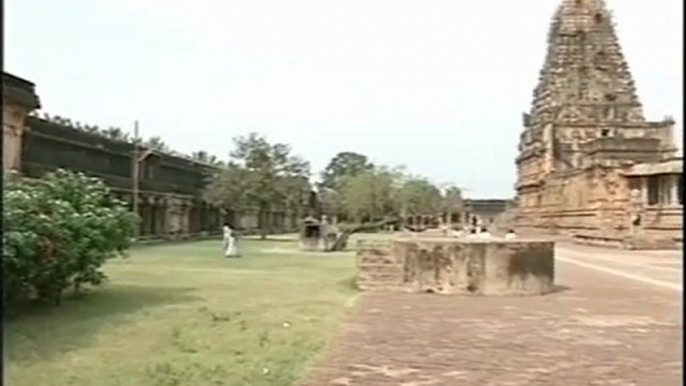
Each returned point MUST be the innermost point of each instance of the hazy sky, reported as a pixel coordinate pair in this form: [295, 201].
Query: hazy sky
[436, 85]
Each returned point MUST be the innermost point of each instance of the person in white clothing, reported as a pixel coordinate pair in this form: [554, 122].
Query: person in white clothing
[484, 234]
[510, 235]
[230, 249]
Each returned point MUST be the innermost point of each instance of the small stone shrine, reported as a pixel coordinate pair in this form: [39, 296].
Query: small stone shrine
[317, 235]
[310, 234]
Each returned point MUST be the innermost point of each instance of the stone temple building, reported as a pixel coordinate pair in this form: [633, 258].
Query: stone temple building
[171, 204]
[590, 165]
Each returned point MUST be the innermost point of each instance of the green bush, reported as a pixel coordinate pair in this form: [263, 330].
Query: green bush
[58, 232]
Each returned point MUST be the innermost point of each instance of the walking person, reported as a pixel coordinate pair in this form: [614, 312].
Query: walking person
[484, 234]
[230, 248]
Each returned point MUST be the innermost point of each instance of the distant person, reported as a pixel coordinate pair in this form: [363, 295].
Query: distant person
[230, 248]
[472, 234]
[510, 235]
[484, 234]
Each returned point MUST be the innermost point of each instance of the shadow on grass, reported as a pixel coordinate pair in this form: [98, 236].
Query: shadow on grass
[349, 284]
[43, 331]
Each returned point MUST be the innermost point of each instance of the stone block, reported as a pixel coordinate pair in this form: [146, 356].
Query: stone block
[458, 266]
[378, 267]
[517, 267]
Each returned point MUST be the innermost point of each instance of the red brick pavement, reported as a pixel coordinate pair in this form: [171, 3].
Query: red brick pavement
[602, 330]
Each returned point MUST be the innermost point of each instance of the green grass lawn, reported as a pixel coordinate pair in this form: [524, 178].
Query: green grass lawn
[184, 315]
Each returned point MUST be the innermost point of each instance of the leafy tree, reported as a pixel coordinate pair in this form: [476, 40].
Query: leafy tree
[115, 133]
[294, 185]
[269, 176]
[344, 164]
[418, 196]
[157, 143]
[201, 156]
[227, 188]
[453, 202]
[370, 195]
[329, 200]
[58, 232]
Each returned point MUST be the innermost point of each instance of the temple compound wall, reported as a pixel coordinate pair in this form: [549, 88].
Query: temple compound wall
[170, 194]
[590, 166]
[472, 213]
[485, 212]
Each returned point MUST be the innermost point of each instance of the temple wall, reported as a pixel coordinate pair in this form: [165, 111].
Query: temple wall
[486, 212]
[595, 207]
[170, 202]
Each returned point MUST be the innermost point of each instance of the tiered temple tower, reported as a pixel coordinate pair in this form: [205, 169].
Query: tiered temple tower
[586, 111]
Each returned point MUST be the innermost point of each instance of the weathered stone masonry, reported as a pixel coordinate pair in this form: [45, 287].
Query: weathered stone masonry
[457, 266]
[18, 100]
[584, 138]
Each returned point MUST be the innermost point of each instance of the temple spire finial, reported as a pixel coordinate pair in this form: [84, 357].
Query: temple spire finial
[584, 64]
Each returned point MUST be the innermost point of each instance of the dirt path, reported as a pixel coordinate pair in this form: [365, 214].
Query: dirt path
[600, 329]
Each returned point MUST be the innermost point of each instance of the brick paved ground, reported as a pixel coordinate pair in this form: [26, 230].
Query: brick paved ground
[603, 330]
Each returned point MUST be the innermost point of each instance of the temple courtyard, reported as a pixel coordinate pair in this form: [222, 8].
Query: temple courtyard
[183, 315]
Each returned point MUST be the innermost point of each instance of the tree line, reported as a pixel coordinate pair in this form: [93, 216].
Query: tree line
[266, 176]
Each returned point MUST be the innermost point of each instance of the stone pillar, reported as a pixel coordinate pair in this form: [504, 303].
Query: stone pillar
[199, 208]
[143, 210]
[155, 216]
[635, 210]
[674, 190]
[202, 216]
[644, 189]
[209, 218]
[185, 217]
[163, 218]
[192, 217]
[171, 215]
[12, 130]
[152, 214]
[18, 100]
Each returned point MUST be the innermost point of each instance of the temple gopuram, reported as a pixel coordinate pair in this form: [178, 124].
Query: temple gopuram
[590, 165]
